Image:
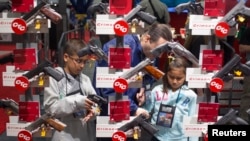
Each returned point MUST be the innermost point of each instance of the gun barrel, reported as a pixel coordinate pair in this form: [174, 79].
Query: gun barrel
[181, 7]
[11, 104]
[128, 74]
[146, 17]
[37, 123]
[233, 12]
[40, 67]
[228, 67]
[54, 73]
[132, 12]
[139, 121]
[245, 69]
[46, 119]
[182, 51]
[227, 118]
[6, 59]
[34, 11]
[160, 49]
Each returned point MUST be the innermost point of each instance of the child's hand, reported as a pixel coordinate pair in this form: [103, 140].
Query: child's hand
[143, 112]
[88, 104]
[88, 116]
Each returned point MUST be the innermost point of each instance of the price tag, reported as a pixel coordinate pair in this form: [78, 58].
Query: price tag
[21, 83]
[216, 85]
[121, 28]
[120, 85]
[221, 29]
[119, 136]
[19, 26]
[24, 135]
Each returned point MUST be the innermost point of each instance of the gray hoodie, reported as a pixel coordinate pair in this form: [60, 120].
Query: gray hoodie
[62, 107]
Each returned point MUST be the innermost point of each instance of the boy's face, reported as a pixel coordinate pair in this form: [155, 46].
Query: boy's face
[74, 64]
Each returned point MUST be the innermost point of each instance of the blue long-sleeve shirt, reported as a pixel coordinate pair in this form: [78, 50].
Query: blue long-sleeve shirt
[185, 106]
[136, 57]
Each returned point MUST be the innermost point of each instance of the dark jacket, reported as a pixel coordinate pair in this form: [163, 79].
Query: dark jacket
[136, 57]
[161, 10]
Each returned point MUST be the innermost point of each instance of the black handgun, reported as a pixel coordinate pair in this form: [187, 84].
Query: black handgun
[234, 63]
[177, 49]
[98, 8]
[43, 7]
[11, 104]
[45, 67]
[191, 7]
[7, 59]
[97, 99]
[141, 122]
[46, 119]
[231, 118]
[93, 49]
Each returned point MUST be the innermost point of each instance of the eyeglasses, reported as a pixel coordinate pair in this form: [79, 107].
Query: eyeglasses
[78, 61]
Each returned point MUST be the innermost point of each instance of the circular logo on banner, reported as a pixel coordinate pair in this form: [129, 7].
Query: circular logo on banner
[120, 85]
[19, 26]
[216, 85]
[221, 29]
[24, 135]
[121, 28]
[119, 136]
[21, 83]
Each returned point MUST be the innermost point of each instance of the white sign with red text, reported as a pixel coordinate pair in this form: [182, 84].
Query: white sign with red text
[196, 79]
[105, 78]
[202, 25]
[5, 25]
[106, 129]
[9, 77]
[105, 24]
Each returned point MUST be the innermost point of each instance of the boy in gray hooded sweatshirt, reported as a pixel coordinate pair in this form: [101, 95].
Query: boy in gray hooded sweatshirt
[67, 99]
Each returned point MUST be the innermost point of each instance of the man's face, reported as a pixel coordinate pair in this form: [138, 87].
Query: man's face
[147, 46]
[74, 64]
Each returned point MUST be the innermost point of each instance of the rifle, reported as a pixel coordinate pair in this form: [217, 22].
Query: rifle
[177, 49]
[44, 8]
[46, 119]
[231, 118]
[145, 65]
[11, 104]
[191, 6]
[234, 63]
[140, 121]
[45, 67]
